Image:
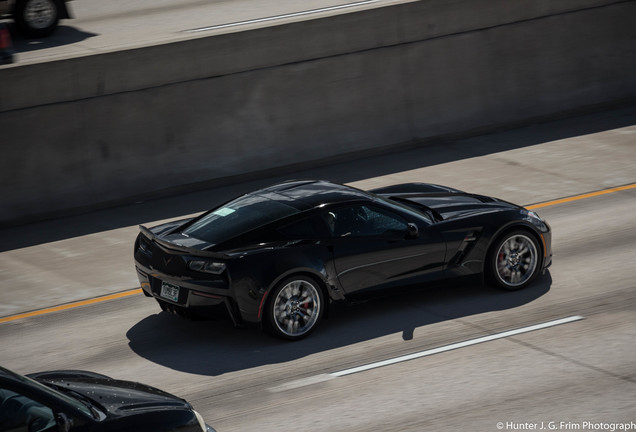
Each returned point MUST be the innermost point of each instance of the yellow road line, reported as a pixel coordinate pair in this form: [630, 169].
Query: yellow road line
[70, 305]
[582, 196]
[138, 291]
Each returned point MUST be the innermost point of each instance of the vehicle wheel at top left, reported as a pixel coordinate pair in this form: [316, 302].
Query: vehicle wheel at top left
[36, 18]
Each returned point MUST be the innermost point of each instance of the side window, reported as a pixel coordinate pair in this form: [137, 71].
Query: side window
[19, 413]
[310, 227]
[365, 221]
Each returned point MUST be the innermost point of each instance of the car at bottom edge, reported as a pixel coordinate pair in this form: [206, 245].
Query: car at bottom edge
[83, 401]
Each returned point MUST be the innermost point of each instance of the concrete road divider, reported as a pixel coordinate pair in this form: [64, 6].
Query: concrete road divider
[89, 131]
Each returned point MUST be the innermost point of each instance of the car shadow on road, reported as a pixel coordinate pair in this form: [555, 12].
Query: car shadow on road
[213, 348]
[63, 35]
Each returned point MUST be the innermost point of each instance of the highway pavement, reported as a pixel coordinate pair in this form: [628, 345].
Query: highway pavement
[104, 26]
[580, 374]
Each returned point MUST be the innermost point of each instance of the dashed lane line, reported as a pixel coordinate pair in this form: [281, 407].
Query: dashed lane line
[71, 305]
[582, 196]
[325, 377]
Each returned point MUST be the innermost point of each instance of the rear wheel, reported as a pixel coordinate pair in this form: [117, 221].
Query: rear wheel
[36, 18]
[295, 307]
[514, 260]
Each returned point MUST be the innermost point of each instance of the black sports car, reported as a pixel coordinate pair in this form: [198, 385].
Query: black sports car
[69, 401]
[279, 255]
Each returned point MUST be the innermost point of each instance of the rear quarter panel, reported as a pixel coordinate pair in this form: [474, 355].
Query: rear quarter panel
[256, 272]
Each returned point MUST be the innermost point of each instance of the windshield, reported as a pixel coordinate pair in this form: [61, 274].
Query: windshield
[237, 217]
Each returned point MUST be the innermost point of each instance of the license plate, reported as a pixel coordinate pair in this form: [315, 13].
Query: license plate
[169, 291]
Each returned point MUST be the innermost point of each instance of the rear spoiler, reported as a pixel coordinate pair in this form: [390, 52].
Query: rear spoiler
[415, 188]
[169, 246]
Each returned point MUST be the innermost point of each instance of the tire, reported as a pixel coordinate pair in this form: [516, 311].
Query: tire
[295, 308]
[514, 260]
[36, 18]
[162, 305]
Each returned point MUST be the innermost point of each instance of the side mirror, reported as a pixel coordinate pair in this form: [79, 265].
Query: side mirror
[63, 422]
[412, 231]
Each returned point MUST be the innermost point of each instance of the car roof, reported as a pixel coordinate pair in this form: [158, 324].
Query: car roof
[306, 194]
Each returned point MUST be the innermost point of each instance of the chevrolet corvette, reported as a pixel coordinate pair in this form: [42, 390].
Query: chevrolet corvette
[277, 257]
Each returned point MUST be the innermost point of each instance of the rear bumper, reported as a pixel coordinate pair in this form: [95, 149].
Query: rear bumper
[195, 300]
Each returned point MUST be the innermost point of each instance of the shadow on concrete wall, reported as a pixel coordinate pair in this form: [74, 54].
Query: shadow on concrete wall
[203, 196]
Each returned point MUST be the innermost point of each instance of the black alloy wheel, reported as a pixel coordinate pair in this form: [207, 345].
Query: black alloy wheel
[295, 307]
[514, 260]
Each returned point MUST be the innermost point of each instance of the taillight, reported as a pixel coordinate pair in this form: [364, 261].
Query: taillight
[145, 247]
[5, 38]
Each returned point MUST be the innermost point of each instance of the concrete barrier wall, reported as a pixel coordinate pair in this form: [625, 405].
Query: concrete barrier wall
[132, 122]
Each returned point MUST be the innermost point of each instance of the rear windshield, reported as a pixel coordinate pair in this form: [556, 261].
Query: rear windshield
[237, 217]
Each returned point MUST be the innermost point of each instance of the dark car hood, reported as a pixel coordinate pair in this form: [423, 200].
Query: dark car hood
[457, 205]
[116, 397]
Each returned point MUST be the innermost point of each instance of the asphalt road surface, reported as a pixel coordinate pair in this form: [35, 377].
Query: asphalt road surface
[574, 375]
[101, 26]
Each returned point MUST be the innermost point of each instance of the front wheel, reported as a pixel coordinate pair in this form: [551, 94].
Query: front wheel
[36, 18]
[514, 260]
[295, 308]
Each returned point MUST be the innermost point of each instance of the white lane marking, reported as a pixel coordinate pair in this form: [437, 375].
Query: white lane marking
[326, 377]
[279, 17]
[302, 382]
[457, 345]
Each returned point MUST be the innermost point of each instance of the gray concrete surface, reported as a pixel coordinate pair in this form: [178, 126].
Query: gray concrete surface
[100, 27]
[122, 124]
[582, 371]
